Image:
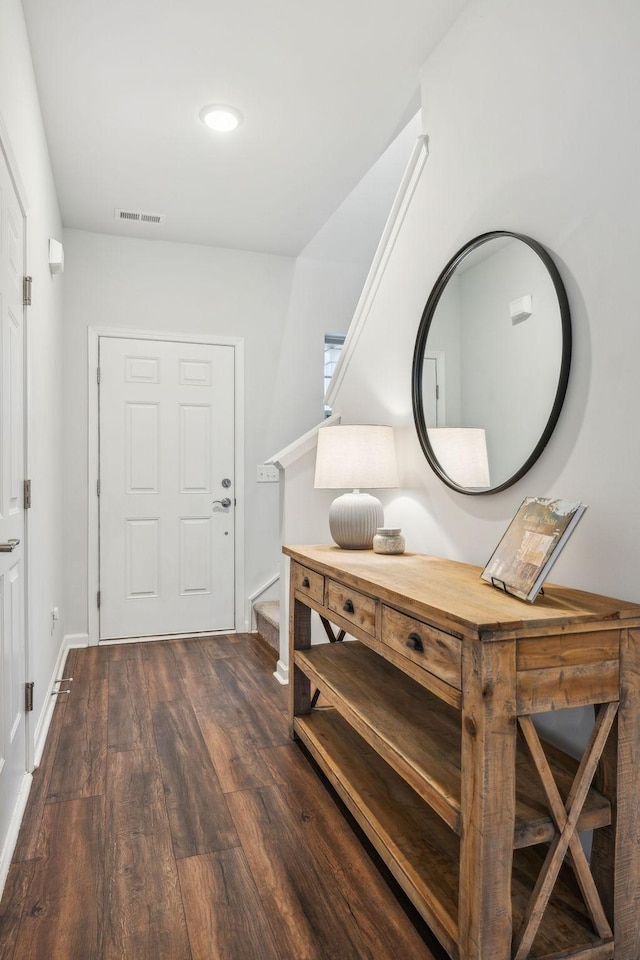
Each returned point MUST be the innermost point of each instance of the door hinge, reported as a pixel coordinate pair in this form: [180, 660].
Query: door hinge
[27, 494]
[98, 487]
[437, 392]
[99, 598]
[26, 291]
[98, 374]
[28, 697]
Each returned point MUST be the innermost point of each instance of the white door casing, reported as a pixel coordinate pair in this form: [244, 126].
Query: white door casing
[433, 392]
[13, 653]
[167, 442]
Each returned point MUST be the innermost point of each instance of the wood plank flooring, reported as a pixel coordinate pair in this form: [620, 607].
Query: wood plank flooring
[172, 818]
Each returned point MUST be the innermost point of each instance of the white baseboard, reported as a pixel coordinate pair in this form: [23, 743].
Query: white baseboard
[14, 829]
[69, 641]
[282, 673]
[75, 640]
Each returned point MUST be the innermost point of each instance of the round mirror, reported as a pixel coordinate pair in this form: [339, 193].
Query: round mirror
[491, 362]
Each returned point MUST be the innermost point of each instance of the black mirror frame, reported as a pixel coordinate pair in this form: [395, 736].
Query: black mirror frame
[421, 342]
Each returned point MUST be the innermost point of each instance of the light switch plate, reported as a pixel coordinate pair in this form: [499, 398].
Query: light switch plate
[268, 473]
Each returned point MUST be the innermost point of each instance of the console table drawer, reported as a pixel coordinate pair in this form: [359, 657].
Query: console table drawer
[308, 581]
[436, 651]
[355, 607]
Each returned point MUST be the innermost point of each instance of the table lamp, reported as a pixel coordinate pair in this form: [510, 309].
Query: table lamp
[356, 456]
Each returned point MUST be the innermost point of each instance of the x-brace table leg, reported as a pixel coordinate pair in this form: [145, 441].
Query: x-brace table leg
[333, 638]
[565, 817]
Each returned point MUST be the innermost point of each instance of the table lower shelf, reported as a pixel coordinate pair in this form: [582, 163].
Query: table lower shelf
[423, 853]
[420, 737]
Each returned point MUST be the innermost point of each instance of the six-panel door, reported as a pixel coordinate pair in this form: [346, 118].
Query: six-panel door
[166, 446]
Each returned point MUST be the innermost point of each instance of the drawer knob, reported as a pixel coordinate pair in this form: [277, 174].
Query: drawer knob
[305, 582]
[348, 606]
[414, 641]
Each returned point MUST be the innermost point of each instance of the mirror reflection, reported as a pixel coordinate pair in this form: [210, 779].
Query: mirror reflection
[491, 362]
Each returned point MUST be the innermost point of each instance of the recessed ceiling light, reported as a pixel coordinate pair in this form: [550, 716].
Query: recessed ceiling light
[221, 119]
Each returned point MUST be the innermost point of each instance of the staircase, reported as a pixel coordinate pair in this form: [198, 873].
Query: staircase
[268, 621]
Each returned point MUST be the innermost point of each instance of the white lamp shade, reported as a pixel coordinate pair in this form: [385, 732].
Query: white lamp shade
[462, 454]
[355, 456]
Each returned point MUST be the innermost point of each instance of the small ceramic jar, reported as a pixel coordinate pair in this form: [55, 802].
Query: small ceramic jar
[388, 540]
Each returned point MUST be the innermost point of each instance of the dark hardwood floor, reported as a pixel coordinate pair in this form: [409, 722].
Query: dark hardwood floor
[172, 818]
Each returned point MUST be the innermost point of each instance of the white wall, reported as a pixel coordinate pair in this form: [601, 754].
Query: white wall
[151, 285]
[329, 276]
[323, 297]
[20, 112]
[529, 110]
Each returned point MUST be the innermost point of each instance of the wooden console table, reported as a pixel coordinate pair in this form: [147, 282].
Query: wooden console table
[424, 728]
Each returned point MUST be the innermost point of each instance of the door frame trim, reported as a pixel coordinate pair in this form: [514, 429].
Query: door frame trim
[14, 172]
[93, 540]
[439, 357]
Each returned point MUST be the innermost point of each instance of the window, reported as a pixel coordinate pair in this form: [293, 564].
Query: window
[332, 346]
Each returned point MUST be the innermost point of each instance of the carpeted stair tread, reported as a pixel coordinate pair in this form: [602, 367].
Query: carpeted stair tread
[268, 621]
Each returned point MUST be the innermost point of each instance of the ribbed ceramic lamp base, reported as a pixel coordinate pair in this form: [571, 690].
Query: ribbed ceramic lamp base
[354, 519]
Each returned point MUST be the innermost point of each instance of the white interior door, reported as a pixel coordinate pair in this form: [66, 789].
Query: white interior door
[167, 438]
[13, 759]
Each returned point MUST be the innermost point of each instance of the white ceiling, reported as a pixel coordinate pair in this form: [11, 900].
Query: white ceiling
[324, 86]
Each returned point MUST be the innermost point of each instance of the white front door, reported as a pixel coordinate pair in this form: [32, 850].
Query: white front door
[167, 437]
[12, 626]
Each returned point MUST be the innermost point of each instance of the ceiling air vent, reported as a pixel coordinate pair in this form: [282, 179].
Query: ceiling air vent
[138, 217]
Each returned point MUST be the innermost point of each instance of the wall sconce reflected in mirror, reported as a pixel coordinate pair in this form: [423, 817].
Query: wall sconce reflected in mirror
[56, 257]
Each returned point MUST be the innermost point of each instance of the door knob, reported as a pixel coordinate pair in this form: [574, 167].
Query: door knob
[225, 502]
[9, 546]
